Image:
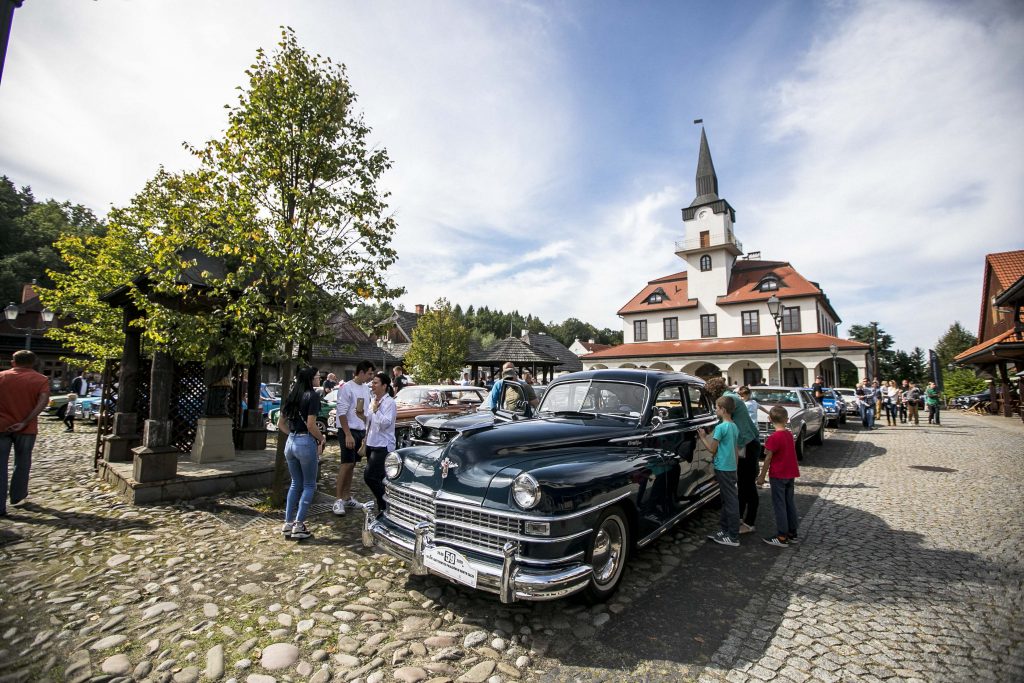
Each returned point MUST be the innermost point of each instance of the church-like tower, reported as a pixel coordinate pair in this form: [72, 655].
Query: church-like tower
[709, 246]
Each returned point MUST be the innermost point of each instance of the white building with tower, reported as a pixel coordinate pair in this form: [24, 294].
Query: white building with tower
[718, 317]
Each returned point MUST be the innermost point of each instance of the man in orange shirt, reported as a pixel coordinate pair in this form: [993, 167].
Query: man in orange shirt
[23, 395]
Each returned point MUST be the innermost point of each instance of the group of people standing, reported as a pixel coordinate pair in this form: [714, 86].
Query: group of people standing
[900, 403]
[737, 451]
[366, 415]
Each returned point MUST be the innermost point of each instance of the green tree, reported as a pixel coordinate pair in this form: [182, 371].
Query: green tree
[28, 230]
[438, 349]
[960, 382]
[872, 333]
[954, 341]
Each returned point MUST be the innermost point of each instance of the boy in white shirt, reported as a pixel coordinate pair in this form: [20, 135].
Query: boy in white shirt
[353, 403]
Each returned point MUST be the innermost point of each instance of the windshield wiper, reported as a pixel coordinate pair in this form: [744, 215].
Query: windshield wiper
[570, 413]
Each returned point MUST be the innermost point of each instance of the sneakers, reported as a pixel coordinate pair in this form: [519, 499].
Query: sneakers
[722, 538]
[299, 532]
[353, 503]
[777, 541]
[745, 528]
[792, 539]
[287, 529]
[339, 507]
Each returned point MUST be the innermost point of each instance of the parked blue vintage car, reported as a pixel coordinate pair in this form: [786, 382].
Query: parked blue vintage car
[538, 509]
[834, 406]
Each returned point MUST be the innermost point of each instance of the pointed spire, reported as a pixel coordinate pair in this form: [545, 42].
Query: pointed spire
[707, 181]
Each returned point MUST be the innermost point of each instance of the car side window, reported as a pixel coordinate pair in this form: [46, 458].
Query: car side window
[697, 400]
[672, 400]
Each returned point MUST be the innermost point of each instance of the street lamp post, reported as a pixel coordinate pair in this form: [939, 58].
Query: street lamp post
[11, 313]
[385, 346]
[775, 309]
[834, 350]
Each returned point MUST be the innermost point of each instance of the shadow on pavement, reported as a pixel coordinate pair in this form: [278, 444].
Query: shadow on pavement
[45, 516]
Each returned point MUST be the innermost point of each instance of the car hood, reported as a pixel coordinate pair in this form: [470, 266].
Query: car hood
[456, 423]
[479, 465]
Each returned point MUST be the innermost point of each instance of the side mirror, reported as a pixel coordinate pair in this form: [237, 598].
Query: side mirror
[656, 422]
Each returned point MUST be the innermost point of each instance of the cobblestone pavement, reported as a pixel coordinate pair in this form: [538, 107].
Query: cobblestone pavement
[903, 574]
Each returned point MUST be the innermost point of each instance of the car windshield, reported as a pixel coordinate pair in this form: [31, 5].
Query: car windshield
[778, 397]
[618, 399]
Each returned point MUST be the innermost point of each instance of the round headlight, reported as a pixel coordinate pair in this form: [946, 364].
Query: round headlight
[417, 431]
[526, 491]
[392, 464]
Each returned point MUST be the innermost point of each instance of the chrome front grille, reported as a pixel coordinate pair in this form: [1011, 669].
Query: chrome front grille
[479, 530]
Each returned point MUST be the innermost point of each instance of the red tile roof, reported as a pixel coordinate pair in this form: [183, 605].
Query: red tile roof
[1007, 267]
[747, 274]
[1008, 337]
[753, 344]
[591, 347]
[742, 288]
[674, 288]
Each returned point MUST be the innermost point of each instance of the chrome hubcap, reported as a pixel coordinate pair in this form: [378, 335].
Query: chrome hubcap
[607, 556]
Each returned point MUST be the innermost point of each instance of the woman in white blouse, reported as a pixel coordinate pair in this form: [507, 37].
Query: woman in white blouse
[380, 437]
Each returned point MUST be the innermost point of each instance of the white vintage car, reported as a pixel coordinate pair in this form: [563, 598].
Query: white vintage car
[806, 417]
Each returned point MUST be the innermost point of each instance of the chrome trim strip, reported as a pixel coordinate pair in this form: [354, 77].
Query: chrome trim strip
[450, 499]
[509, 535]
[670, 523]
[547, 563]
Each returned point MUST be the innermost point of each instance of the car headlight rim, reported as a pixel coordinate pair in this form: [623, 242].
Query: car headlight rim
[526, 491]
[392, 465]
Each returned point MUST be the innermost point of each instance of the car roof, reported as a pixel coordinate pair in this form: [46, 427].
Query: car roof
[649, 378]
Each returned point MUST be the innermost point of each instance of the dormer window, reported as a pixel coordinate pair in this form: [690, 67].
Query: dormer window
[705, 263]
[657, 296]
[769, 284]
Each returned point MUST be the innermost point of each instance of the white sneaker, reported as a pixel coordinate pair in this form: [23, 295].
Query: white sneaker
[339, 507]
[353, 503]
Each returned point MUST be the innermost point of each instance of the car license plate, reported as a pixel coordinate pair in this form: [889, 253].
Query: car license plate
[450, 563]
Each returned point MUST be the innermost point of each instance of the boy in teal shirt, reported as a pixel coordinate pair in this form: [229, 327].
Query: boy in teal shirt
[723, 444]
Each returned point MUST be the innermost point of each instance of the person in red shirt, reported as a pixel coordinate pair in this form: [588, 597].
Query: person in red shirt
[782, 470]
[23, 395]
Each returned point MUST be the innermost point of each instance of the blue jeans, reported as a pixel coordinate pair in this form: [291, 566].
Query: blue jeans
[22, 444]
[730, 516]
[867, 413]
[300, 452]
[784, 506]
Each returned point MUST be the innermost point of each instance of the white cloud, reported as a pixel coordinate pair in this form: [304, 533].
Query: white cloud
[904, 163]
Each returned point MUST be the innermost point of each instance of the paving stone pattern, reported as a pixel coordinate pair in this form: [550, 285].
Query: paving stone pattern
[904, 574]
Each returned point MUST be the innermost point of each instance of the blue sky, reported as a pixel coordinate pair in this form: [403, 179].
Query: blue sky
[542, 150]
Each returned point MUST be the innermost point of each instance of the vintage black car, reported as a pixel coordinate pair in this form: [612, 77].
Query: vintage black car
[440, 429]
[537, 509]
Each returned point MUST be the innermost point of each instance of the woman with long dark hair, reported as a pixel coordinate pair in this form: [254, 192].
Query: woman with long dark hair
[302, 450]
[380, 438]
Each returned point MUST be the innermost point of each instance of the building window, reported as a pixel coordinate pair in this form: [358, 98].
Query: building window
[751, 322]
[769, 285]
[639, 330]
[790, 318]
[705, 263]
[708, 326]
[655, 298]
[671, 328]
[705, 239]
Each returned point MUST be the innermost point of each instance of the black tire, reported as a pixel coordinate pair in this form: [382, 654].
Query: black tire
[800, 445]
[608, 553]
[321, 424]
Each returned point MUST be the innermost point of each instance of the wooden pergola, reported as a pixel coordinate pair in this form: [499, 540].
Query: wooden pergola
[517, 351]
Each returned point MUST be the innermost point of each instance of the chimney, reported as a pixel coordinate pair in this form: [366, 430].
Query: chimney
[28, 291]
[524, 333]
[419, 309]
[591, 341]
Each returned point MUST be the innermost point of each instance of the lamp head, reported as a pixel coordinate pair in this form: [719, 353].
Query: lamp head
[833, 349]
[11, 312]
[773, 305]
[47, 315]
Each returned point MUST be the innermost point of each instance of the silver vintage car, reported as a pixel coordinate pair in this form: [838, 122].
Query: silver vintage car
[806, 417]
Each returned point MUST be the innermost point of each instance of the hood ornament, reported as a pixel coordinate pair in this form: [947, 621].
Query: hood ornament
[447, 464]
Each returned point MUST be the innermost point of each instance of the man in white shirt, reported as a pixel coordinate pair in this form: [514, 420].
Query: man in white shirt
[353, 401]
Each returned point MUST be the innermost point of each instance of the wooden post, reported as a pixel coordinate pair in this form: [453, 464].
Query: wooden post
[124, 435]
[156, 459]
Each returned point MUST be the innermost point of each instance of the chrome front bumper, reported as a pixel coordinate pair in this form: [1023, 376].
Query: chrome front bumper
[511, 580]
